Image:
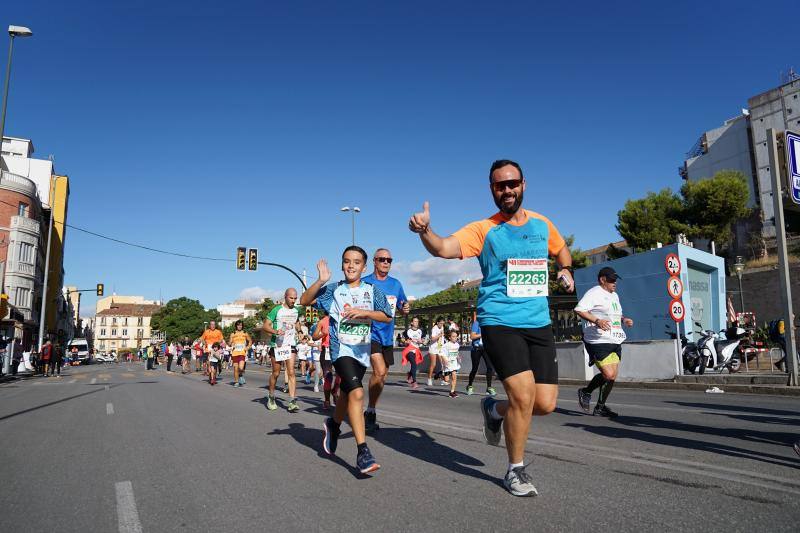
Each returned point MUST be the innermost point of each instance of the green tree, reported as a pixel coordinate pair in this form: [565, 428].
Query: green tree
[182, 317]
[657, 217]
[252, 325]
[712, 205]
[266, 306]
[452, 294]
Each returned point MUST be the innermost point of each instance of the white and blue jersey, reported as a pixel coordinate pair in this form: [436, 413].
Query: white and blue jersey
[383, 332]
[351, 337]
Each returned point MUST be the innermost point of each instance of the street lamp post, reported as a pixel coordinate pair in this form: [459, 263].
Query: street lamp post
[13, 31]
[353, 210]
[738, 266]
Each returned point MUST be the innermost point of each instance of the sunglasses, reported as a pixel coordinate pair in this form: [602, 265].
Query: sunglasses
[384, 260]
[500, 186]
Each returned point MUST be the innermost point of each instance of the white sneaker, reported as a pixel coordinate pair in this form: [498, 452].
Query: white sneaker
[316, 388]
[430, 382]
[519, 483]
[443, 383]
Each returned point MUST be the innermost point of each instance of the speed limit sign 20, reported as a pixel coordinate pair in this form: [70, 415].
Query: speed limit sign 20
[677, 311]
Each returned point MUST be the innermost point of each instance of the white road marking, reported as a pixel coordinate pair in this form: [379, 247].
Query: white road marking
[94, 380]
[127, 515]
[73, 380]
[106, 387]
[738, 475]
[109, 408]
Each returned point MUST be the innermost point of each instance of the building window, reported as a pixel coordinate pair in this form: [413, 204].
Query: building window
[139, 333]
[140, 321]
[22, 297]
[114, 321]
[103, 332]
[124, 332]
[102, 345]
[23, 209]
[113, 332]
[125, 321]
[103, 321]
[25, 252]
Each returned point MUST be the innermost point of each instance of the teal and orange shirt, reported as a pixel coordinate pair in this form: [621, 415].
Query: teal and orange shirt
[513, 260]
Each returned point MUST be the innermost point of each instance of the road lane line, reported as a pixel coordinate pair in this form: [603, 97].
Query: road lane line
[73, 381]
[109, 408]
[692, 467]
[94, 380]
[106, 387]
[127, 515]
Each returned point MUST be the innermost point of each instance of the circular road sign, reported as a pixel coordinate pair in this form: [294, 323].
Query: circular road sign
[677, 311]
[673, 264]
[675, 287]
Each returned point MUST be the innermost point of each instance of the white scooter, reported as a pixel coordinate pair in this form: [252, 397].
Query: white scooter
[717, 352]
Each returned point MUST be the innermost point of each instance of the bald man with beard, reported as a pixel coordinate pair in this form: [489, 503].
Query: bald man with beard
[280, 324]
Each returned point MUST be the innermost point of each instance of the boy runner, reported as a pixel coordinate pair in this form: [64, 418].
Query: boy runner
[353, 306]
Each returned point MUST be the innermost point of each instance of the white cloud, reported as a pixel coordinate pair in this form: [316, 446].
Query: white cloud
[256, 294]
[435, 273]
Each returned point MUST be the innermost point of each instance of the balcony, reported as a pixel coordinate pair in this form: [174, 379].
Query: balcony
[18, 267]
[29, 225]
[15, 182]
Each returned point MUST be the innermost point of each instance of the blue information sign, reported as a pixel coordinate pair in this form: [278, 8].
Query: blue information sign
[793, 157]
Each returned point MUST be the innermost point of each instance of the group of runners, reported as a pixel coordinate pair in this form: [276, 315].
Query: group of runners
[512, 332]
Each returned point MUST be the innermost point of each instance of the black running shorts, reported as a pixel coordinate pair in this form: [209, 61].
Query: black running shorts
[386, 351]
[350, 373]
[516, 350]
[599, 351]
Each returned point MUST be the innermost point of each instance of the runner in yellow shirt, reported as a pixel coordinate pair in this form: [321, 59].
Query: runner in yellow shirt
[240, 342]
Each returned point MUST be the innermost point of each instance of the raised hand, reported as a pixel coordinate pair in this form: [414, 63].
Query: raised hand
[419, 222]
[323, 271]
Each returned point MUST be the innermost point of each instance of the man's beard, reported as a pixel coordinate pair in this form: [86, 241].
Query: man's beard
[514, 207]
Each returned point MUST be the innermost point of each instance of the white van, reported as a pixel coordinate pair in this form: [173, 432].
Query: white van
[83, 355]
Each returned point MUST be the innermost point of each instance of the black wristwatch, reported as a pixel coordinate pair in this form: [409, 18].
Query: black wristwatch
[569, 268]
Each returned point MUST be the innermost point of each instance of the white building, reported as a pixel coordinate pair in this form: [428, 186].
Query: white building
[237, 310]
[123, 325]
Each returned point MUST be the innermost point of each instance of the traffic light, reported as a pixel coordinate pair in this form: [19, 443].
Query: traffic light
[314, 316]
[252, 259]
[241, 260]
[3, 305]
[308, 314]
[100, 288]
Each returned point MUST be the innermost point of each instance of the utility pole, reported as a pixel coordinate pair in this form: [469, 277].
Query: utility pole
[783, 260]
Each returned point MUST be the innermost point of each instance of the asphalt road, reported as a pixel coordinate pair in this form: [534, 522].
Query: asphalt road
[116, 448]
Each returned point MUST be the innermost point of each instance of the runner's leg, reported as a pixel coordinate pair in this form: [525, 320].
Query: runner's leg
[273, 377]
[290, 377]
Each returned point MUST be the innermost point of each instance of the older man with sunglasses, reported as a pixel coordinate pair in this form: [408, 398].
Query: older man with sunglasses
[383, 333]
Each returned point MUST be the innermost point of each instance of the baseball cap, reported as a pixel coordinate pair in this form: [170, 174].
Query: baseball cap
[609, 273]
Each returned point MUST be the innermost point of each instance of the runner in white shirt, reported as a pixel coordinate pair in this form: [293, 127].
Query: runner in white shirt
[412, 353]
[451, 360]
[435, 346]
[602, 337]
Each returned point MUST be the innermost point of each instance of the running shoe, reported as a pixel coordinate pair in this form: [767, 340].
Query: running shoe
[414, 386]
[470, 390]
[584, 399]
[365, 462]
[316, 388]
[271, 405]
[519, 483]
[454, 394]
[409, 379]
[443, 383]
[237, 384]
[292, 407]
[242, 381]
[430, 382]
[331, 436]
[492, 429]
[370, 423]
[602, 410]
[285, 388]
[491, 392]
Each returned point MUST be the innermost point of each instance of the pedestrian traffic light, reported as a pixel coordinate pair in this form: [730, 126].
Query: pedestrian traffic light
[241, 259]
[252, 259]
[3, 305]
[100, 288]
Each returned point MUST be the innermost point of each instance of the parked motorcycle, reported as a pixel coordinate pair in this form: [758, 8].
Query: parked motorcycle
[689, 353]
[717, 352]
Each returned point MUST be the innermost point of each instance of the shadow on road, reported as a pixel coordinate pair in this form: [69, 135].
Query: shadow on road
[617, 430]
[767, 416]
[312, 438]
[417, 443]
[68, 398]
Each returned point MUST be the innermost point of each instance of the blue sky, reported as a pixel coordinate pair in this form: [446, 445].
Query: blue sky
[201, 126]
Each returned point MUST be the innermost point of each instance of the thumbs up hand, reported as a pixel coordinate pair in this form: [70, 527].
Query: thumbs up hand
[419, 222]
